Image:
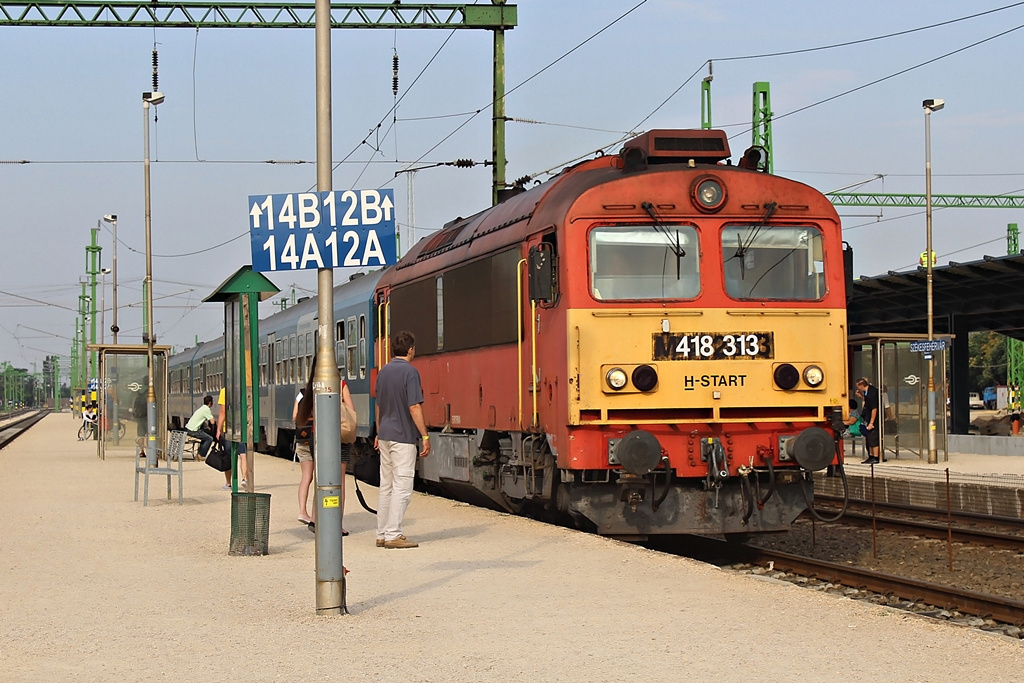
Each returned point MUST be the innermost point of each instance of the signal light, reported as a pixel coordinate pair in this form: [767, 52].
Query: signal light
[786, 376]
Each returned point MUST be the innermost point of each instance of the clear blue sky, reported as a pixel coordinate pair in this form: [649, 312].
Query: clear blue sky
[236, 98]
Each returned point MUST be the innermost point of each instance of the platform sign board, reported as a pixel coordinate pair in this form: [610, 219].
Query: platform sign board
[928, 345]
[335, 229]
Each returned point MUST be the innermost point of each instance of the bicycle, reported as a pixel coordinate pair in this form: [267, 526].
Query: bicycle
[88, 430]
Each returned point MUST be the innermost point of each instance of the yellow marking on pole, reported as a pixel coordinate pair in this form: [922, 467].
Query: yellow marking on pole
[332, 501]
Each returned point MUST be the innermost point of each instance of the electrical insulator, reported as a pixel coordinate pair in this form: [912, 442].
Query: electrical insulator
[394, 68]
[464, 163]
[156, 76]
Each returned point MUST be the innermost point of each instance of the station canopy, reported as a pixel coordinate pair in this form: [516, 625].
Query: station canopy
[976, 296]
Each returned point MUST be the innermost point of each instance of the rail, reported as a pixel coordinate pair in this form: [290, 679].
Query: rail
[995, 607]
[18, 424]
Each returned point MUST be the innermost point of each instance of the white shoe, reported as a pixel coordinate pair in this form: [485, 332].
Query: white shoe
[225, 487]
[242, 483]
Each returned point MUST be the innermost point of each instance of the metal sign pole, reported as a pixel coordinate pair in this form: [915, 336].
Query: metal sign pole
[330, 573]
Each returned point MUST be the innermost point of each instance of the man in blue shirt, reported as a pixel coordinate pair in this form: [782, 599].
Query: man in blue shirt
[196, 425]
[400, 426]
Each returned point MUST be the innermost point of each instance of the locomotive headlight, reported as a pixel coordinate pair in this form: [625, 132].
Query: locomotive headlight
[616, 378]
[813, 375]
[708, 194]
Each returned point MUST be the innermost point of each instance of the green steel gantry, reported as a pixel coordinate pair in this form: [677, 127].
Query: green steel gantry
[497, 17]
[939, 201]
[163, 14]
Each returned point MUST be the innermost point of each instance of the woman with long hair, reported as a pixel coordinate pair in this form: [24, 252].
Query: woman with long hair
[302, 416]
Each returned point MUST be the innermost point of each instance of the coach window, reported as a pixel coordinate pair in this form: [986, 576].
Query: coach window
[352, 345]
[779, 263]
[362, 347]
[263, 365]
[310, 350]
[339, 348]
[278, 359]
[630, 262]
[440, 312]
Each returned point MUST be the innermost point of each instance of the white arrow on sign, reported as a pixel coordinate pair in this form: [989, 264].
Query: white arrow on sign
[386, 205]
[257, 212]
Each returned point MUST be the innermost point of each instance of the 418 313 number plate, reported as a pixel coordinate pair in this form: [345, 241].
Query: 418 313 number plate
[714, 346]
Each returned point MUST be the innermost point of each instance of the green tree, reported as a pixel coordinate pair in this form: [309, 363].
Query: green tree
[987, 359]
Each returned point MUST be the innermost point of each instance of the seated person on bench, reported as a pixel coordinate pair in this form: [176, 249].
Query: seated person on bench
[198, 424]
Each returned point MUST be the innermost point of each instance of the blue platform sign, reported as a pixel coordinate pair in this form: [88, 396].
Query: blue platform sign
[336, 229]
[928, 345]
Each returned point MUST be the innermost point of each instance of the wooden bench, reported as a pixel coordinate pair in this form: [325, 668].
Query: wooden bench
[173, 453]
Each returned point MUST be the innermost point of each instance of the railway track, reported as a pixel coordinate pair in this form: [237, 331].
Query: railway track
[915, 591]
[962, 527]
[14, 426]
[995, 607]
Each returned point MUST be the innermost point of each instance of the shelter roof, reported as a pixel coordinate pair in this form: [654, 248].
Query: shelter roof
[243, 281]
[983, 295]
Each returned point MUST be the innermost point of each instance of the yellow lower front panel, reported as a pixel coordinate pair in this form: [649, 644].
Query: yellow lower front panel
[717, 365]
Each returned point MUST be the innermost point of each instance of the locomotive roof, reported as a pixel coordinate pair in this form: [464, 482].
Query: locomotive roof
[547, 205]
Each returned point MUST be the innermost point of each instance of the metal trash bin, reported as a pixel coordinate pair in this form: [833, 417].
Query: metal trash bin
[250, 524]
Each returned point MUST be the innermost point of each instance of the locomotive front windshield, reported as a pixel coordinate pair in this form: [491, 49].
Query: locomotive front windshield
[644, 262]
[773, 262]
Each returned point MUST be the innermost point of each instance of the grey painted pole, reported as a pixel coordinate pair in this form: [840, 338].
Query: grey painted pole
[330, 572]
[147, 98]
[114, 329]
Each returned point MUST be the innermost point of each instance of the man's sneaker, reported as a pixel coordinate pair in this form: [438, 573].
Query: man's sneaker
[401, 542]
[380, 542]
[225, 487]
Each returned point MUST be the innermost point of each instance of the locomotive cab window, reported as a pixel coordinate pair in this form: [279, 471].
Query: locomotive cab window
[644, 262]
[773, 262]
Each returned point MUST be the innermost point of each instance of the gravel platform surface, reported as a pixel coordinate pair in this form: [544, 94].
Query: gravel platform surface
[97, 587]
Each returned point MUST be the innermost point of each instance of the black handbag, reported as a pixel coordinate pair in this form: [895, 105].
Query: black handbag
[219, 459]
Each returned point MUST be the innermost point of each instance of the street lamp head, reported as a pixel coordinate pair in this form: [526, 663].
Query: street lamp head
[110, 218]
[933, 105]
[105, 271]
[153, 98]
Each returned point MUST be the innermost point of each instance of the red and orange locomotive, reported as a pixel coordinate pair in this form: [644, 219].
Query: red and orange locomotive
[652, 342]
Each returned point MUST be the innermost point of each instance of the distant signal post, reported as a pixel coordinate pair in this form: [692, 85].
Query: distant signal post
[334, 229]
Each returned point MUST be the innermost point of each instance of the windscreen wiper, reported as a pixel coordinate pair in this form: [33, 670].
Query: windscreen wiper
[742, 248]
[673, 244]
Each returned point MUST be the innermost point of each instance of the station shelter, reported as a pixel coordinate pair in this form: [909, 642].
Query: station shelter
[890, 363]
[967, 297]
[123, 385]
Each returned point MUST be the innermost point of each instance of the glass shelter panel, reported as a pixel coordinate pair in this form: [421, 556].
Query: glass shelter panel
[122, 404]
[901, 376]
